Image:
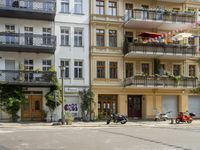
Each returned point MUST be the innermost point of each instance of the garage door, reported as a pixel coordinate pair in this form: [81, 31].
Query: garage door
[194, 105]
[170, 103]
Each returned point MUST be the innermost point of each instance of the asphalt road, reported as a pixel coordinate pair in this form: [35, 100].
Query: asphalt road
[99, 138]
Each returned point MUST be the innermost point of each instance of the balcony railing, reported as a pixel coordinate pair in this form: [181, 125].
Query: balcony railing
[161, 49]
[27, 78]
[27, 42]
[30, 9]
[161, 81]
[160, 15]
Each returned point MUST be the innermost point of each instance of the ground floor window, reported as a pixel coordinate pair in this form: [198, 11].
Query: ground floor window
[107, 104]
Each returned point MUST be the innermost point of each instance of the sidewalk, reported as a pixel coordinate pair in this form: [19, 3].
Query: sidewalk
[195, 123]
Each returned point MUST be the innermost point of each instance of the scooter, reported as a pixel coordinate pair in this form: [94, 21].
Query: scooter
[185, 117]
[117, 118]
[162, 116]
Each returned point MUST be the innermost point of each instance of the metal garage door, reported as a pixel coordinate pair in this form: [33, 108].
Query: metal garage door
[194, 105]
[170, 103]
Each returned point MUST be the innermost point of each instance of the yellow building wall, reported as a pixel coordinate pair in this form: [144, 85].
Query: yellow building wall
[183, 103]
[122, 104]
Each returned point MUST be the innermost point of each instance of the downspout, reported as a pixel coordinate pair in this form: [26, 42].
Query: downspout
[90, 89]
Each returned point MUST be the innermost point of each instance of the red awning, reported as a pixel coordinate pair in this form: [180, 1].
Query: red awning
[149, 34]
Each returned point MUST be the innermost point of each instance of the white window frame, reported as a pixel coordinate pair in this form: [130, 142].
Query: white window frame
[77, 4]
[79, 34]
[45, 64]
[63, 6]
[79, 68]
[66, 42]
[65, 66]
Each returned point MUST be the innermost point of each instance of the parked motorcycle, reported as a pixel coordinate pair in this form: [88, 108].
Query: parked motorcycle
[162, 116]
[185, 117]
[117, 118]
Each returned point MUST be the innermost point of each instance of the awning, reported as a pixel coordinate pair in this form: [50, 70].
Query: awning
[149, 34]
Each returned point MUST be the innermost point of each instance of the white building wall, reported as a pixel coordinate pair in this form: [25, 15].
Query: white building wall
[71, 53]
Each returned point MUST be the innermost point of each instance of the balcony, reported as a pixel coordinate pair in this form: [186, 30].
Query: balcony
[161, 82]
[159, 19]
[17, 42]
[28, 9]
[151, 50]
[27, 78]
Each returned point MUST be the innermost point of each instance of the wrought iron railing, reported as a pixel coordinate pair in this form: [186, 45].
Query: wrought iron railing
[160, 15]
[45, 6]
[161, 48]
[161, 81]
[27, 40]
[31, 78]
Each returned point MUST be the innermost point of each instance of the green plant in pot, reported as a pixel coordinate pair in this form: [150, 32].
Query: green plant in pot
[69, 118]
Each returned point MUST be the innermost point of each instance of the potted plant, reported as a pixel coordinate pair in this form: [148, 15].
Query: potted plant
[69, 118]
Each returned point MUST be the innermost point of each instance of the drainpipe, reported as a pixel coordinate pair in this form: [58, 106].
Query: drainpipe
[90, 89]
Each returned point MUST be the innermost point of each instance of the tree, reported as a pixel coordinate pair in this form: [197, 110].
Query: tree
[11, 98]
[87, 98]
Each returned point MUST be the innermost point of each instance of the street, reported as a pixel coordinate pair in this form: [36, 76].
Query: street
[100, 138]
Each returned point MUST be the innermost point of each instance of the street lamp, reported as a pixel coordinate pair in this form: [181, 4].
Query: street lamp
[62, 83]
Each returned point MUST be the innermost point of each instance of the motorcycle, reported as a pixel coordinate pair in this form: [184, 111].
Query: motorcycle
[117, 118]
[162, 116]
[185, 117]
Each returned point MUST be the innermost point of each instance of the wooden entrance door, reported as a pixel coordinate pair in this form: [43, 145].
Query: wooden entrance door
[135, 106]
[32, 110]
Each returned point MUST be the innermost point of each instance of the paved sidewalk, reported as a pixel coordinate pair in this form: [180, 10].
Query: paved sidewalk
[195, 123]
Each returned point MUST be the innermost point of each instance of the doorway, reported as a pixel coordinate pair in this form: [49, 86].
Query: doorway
[32, 110]
[135, 106]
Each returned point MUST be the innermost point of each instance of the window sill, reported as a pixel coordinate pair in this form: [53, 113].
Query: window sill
[65, 45]
[78, 46]
[65, 78]
[78, 13]
[65, 12]
[78, 78]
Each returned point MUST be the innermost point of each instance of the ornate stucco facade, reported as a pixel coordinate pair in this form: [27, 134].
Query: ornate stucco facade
[132, 86]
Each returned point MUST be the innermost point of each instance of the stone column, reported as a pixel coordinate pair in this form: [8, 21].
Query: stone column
[183, 102]
[122, 104]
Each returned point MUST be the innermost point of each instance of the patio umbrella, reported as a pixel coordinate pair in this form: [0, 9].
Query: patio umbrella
[182, 36]
[149, 34]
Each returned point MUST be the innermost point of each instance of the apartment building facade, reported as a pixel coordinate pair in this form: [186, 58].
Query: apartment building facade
[124, 68]
[72, 52]
[27, 46]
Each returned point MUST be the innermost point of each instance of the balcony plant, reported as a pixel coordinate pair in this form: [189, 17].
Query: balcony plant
[69, 118]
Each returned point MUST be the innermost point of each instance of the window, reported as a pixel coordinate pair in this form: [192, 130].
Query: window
[145, 69]
[28, 66]
[192, 70]
[64, 36]
[113, 70]
[112, 38]
[65, 6]
[162, 69]
[65, 63]
[100, 7]
[176, 70]
[28, 35]
[46, 65]
[78, 37]
[9, 38]
[46, 36]
[129, 10]
[112, 10]
[78, 6]
[100, 37]
[100, 69]
[78, 69]
[107, 104]
[129, 70]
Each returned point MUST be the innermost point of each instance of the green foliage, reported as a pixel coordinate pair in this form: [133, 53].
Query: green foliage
[87, 97]
[11, 99]
[54, 92]
[69, 118]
